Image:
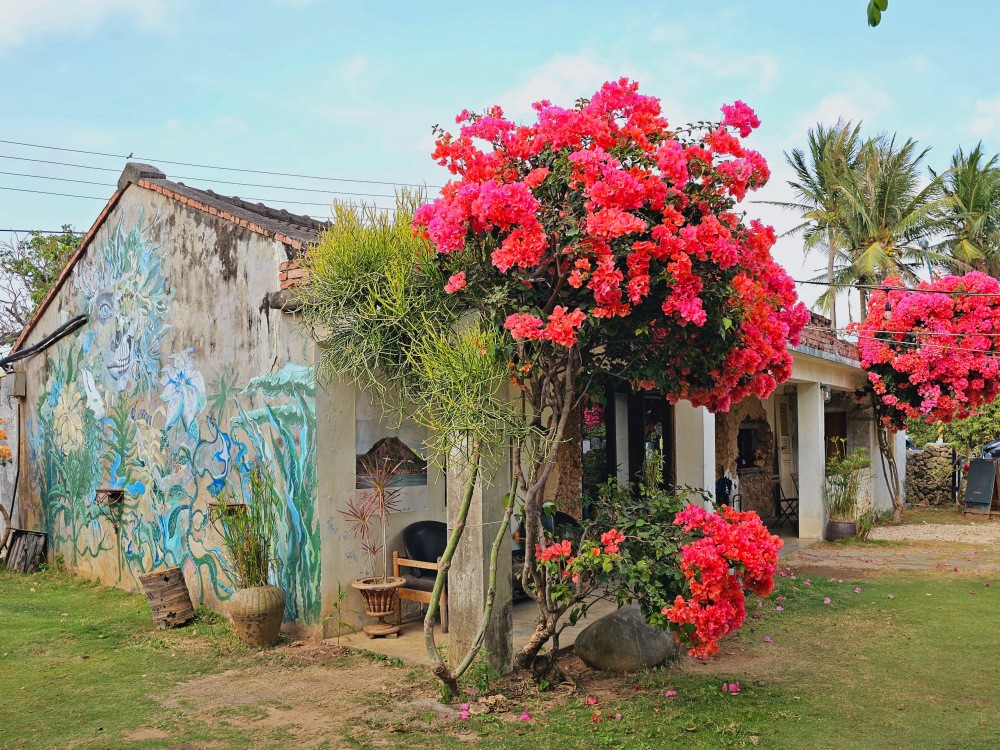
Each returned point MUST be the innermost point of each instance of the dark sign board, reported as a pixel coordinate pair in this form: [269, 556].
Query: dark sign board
[981, 484]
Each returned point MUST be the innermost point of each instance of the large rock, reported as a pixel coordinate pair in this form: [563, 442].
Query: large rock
[624, 642]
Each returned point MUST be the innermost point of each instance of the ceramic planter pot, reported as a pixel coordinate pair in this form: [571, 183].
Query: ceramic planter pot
[381, 596]
[256, 614]
[841, 529]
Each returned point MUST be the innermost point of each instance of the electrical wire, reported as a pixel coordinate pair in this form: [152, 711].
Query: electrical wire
[898, 289]
[212, 166]
[186, 177]
[944, 347]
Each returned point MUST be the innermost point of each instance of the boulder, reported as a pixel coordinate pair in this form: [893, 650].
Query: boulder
[624, 642]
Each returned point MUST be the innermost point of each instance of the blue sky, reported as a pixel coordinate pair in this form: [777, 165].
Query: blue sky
[352, 89]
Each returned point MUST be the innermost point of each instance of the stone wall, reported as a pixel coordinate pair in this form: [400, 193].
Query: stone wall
[928, 475]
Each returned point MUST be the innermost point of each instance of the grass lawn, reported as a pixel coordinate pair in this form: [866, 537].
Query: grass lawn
[909, 662]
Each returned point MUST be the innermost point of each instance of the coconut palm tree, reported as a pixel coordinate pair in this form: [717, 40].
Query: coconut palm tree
[887, 208]
[971, 217]
[831, 153]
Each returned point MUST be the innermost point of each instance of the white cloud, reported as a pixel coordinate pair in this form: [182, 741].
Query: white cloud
[562, 80]
[855, 106]
[23, 21]
[987, 118]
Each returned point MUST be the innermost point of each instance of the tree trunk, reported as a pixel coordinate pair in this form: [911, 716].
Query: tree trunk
[830, 278]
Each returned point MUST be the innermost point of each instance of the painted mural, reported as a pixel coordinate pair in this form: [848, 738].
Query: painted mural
[118, 411]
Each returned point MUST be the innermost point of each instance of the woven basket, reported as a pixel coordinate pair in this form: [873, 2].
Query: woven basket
[256, 614]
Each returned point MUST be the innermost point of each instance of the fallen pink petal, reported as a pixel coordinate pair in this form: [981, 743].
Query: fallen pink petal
[525, 716]
[591, 700]
[671, 694]
[767, 639]
[826, 600]
[857, 589]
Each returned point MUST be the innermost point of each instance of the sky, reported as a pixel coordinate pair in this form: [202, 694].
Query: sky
[351, 90]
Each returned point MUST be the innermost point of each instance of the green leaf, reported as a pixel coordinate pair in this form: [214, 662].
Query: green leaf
[874, 14]
[881, 4]
[727, 323]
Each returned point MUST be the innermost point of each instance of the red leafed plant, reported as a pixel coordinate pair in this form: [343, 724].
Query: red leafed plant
[732, 552]
[932, 353]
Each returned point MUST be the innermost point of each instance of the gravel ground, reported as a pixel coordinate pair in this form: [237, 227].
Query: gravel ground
[972, 533]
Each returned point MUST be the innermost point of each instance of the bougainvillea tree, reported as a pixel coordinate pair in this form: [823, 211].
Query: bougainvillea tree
[931, 352]
[607, 243]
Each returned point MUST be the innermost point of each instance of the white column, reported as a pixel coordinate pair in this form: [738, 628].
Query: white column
[812, 459]
[694, 441]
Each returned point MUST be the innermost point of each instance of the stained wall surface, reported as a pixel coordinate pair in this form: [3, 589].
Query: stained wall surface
[178, 383]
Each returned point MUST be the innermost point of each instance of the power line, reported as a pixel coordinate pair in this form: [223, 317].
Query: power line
[58, 179]
[852, 332]
[47, 192]
[249, 200]
[60, 163]
[199, 179]
[944, 347]
[41, 231]
[876, 287]
[211, 166]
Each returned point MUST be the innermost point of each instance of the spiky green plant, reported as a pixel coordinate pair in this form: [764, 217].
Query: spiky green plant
[247, 519]
[377, 307]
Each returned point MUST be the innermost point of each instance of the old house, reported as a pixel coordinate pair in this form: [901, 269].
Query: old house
[183, 364]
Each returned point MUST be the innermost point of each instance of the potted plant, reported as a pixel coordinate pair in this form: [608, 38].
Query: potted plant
[379, 591]
[256, 608]
[843, 484]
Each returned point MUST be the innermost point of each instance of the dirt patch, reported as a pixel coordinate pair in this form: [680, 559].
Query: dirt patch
[303, 693]
[961, 533]
[147, 733]
[863, 561]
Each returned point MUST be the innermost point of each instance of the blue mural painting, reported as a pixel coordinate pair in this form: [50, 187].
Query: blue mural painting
[117, 411]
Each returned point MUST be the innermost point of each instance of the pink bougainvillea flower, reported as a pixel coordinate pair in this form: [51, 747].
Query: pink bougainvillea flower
[464, 713]
[857, 589]
[783, 574]
[757, 615]
[734, 687]
[455, 282]
[826, 600]
[767, 639]
[591, 700]
[637, 687]
[618, 716]
[779, 608]
[725, 687]
[671, 694]
[986, 584]
[807, 582]
[955, 569]
[525, 716]
[779, 598]
[595, 718]
[840, 580]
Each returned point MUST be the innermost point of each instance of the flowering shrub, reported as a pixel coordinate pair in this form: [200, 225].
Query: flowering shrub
[566, 571]
[602, 225]
[732, 552]
[931, 356]
[5, 453]
[605, 241]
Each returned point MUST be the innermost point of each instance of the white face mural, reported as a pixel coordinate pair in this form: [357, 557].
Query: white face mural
[126, 298]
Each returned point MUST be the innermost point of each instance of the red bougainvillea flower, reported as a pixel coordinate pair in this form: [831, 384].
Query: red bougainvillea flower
[734, 552]
[931, 353]
[602, 224]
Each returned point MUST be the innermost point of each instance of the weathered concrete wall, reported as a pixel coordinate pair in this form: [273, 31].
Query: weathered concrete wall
[178, 382]
[8, 423]
[928, 474]
[339, 406]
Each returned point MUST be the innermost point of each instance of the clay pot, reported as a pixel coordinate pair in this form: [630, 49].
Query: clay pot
[381, 597]
[841, 529]
[256, 614]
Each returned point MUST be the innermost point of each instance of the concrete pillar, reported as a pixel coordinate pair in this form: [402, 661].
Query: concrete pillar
[812, 461]
[694, 439]
[468, 579]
